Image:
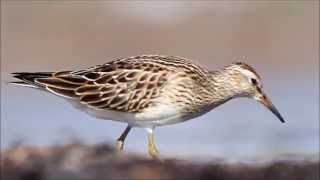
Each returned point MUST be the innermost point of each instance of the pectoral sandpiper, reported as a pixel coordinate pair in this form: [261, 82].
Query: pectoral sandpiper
[150, 90]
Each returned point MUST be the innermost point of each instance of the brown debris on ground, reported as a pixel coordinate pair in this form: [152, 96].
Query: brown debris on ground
[85, 162]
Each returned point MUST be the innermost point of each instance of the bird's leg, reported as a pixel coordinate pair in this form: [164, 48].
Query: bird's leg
[152, 149]
[120, 140]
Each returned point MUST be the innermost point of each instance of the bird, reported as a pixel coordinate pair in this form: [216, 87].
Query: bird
[148, 91]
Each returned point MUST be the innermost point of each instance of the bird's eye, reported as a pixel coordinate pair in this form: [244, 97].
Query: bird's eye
[253, 81]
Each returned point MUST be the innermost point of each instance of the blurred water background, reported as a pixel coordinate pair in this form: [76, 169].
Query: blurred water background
[280, 39]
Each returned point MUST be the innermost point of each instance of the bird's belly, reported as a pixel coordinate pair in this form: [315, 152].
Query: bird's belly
[159, 115]
[151, 117]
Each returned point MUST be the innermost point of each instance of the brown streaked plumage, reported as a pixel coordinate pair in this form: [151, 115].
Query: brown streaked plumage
[150, 90]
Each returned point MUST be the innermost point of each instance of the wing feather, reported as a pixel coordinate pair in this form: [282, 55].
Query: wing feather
[62, 92]
[57, 83]
[123, 85]
[122, 90]
[126, 84]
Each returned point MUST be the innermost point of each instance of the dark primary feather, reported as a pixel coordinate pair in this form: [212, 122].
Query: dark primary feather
[28, 79]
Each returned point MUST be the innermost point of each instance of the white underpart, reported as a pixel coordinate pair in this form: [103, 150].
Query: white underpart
[158, 116]
[150, 118]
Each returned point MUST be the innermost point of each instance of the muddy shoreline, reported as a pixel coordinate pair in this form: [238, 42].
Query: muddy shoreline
[81, 162]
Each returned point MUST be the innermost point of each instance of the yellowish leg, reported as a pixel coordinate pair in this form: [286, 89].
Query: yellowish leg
[120, 140]
[152, 149]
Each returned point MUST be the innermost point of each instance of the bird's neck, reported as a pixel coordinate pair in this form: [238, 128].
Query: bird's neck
[223, 86]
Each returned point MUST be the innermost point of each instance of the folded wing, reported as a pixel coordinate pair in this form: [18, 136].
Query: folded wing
[110, 86]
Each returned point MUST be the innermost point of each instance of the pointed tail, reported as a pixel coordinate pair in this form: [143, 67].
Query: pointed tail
[28, 79]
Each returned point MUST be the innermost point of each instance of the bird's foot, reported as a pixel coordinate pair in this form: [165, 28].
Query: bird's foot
[154, 153]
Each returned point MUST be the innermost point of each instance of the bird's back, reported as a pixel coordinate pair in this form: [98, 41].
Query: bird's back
[126, 85]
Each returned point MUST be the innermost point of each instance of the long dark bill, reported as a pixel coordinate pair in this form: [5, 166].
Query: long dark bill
[267, 103]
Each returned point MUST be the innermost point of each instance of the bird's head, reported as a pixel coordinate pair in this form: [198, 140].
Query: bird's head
[245, 82]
